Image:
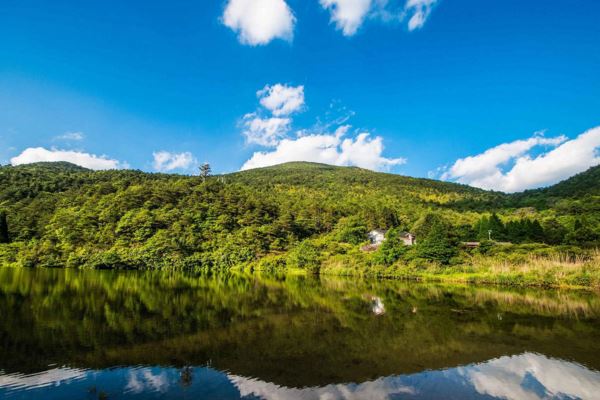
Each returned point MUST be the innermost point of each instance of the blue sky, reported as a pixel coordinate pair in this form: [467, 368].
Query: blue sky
[453, 89]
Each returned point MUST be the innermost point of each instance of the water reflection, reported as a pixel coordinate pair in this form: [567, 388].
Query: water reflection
[289, 338]
[377, 305]
[527, 376]
[531, 377]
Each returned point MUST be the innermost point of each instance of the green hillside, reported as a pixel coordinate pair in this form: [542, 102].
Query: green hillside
[292, 215]
[581, 190]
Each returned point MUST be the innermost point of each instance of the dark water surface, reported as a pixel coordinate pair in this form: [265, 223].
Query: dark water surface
[68, 334]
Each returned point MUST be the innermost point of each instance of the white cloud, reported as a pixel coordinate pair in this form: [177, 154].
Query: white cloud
[265, 131]
[165, 161]
[86, 160]
[76, 136]
[362, 151]
[348, 15]
[257, 22]
[420, 10]
[281, 100]
[568, 157]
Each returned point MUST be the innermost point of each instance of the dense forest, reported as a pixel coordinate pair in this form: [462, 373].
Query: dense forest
[295, 215]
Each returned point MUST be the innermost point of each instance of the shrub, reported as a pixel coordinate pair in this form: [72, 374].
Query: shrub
[305, 256]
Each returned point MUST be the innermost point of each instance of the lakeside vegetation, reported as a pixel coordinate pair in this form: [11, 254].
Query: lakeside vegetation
[299, 216]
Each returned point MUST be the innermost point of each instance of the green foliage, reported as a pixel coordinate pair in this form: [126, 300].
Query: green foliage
[305, 256]
[63, 215]
[425, 225]
[582, 233]
[350, 230]
[391, 250]
[437, 245]
[491, 227]
[4, 237]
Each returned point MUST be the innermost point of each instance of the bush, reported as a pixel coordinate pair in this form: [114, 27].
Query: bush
[305, 256]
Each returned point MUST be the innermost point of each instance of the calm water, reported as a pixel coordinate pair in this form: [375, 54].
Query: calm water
[68, 334]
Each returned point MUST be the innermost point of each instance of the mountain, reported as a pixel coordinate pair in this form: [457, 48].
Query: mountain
[585, 183]
[583, 188]
[61, 214]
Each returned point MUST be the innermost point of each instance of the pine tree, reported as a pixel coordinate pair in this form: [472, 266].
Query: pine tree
[554, 232]
[482, 228]
[497, 228]
[205, 171]
[536, 232]
[4, 237]
[437, 246]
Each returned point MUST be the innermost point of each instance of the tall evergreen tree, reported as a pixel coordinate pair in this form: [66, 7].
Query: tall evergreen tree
[554, 232]
[536, 232]
[482, 228]
[437, 246]
[497, 228]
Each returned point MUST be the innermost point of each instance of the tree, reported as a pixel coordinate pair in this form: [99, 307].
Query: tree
[392, 249]
[493, 224]
[424, 225]
[437, 246]
[205, 171]
[554, 232]
[582, 235]
[351, 230]
[535, 231]
[4, 237]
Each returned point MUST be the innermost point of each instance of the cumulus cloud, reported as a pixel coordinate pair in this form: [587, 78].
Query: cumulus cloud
[265, 131]
[420, 10]
[74, 136]
[165, 161]
[348, 15]
[526, 171]
[281, 100]
[257, 22]
[361, 151]
[86, 160]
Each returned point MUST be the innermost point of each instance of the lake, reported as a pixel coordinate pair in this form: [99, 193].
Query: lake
[68, 334]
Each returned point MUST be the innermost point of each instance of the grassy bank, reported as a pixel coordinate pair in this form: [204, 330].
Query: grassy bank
[554, 271]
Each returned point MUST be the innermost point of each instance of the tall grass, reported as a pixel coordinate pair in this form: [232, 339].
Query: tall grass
[554, 270]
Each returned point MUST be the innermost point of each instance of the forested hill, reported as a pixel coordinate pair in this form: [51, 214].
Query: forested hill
[61, 214]
[583, 187]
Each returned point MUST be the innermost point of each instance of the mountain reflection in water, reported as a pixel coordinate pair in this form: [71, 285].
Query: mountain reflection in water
[527, 376]
[112, 335]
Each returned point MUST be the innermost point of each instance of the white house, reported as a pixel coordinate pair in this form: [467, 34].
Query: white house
[377, 236]
[408, 238]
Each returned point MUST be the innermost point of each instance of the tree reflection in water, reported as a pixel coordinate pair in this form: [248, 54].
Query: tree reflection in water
[289, 337]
